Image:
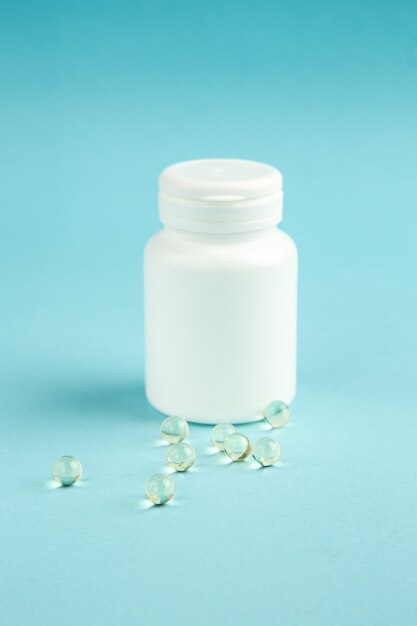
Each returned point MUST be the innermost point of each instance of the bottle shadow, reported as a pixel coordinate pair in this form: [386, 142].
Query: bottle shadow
[97, 400]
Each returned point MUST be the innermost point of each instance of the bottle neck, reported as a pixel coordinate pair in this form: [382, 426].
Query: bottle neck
[220, 238]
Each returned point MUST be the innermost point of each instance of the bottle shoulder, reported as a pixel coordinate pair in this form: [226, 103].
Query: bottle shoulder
[263, 248]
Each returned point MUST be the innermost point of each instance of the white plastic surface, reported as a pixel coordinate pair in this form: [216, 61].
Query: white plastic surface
[220, 195]
[220, 321]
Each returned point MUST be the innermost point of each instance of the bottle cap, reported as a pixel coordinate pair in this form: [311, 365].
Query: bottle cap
[220, 195]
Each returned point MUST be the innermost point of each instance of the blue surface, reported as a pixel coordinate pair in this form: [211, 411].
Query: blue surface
[96, 98]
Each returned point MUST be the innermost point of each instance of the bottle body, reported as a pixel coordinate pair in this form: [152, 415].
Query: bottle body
[220, 323]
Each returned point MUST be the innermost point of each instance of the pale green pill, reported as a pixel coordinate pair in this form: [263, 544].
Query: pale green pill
[220, 433]
[159, 489]
[174, 429]
[277, 414]
[180, 456]
[266, 451]
[237, 446]
[67, 470]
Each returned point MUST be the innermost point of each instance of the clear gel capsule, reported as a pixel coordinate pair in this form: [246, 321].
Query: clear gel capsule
[174, 429]
[266, 451]
[180, 456]
[159, 489]
[277, 414]
[67, 470]
[237, 446]
[220, 433]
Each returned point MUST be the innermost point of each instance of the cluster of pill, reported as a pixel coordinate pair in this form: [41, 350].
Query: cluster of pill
[159, 489]
[238, 446]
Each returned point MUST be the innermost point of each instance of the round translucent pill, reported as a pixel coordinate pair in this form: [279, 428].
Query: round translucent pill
[67, 470]
[277, 414]
[180, 456]
[237, 446]
[266, 451]
[220, 433]
[159, 489]
[174, 429]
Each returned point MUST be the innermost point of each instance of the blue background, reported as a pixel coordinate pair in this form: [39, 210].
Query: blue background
[98, 97]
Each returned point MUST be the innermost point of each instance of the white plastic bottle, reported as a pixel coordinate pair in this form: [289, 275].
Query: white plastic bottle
[220, 293]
